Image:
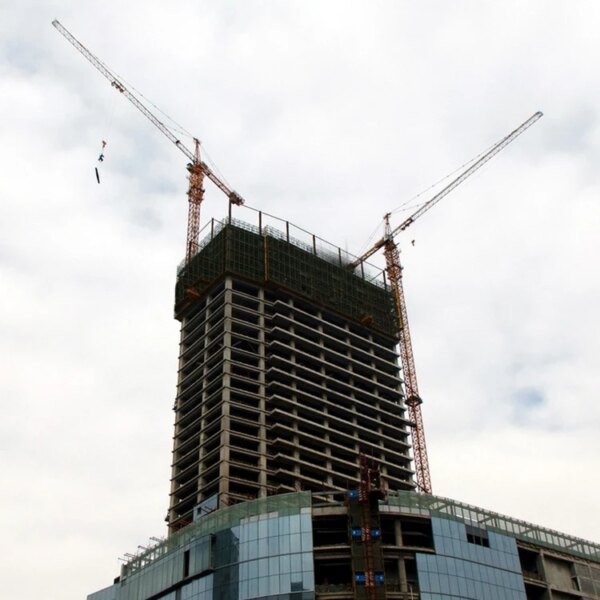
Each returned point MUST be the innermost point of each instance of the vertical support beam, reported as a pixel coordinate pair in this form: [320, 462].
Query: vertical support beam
[195, 198]
[262, 391]
[224, 452]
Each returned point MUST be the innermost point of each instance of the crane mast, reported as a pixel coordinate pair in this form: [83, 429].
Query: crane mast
[197, 168]
[394, 272]
[407, 359]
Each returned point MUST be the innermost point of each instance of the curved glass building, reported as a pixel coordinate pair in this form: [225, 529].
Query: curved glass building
[298, 547]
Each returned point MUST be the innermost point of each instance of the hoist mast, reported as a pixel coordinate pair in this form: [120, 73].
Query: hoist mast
[197, 168]
[394, 272]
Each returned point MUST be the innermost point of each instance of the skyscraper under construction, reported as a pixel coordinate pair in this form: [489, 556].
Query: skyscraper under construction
[288, 370]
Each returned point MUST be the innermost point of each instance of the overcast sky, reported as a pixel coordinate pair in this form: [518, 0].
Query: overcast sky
[328, 114]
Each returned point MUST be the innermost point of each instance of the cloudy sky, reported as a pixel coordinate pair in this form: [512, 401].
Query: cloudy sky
[328, 114]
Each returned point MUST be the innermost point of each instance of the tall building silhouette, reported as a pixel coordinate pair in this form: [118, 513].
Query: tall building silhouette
[288, 371]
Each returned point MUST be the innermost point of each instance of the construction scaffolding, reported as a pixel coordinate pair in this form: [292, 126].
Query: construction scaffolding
[310, 268]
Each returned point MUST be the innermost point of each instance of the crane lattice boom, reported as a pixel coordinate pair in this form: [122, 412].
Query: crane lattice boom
[394, 273]
[452, 185]
[198, 169]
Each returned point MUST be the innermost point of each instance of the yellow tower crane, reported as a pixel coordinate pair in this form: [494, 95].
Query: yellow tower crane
[196, 167]
[394, 273]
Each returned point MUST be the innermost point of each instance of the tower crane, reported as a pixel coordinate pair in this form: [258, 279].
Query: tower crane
[394, 273]
[197, 168]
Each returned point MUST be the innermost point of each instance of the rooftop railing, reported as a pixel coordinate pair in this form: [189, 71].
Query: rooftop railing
[269, 225]
[427, 505]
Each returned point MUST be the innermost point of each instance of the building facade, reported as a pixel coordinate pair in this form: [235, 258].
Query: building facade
[297, 547]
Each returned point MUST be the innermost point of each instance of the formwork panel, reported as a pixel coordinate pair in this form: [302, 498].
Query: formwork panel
[267, 259]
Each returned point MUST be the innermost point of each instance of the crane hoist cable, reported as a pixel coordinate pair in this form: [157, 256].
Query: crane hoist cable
[100, 159]
[197, 168]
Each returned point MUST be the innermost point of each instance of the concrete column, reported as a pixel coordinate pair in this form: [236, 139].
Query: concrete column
[226, 399]
[262, 404]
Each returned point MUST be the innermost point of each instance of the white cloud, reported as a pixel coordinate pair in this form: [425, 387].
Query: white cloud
[328, 114]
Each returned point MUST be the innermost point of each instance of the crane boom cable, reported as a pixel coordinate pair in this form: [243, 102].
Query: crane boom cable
[452, 185]
[116, 83]
[114, 76]
[197, 168]
[394, 271]
[466, 174]
[402, 206]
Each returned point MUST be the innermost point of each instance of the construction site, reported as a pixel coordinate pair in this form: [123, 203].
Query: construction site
[299, 465]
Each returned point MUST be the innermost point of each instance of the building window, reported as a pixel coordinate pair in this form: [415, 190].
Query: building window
[477, 536]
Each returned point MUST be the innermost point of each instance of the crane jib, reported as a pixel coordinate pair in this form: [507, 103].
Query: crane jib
[167, 132]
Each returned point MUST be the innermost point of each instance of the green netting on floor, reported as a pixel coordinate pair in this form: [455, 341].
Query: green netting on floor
[268, 259]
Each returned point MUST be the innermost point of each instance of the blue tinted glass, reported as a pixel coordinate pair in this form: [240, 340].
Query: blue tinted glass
[305, 523]
[308, 580]
[263, 528]
[306, 539]
[465, 570]
[263, 586]
[274, 565]
[273, 584]
[284, 544]
[273, 544]
[462, 587]
[294, 523]
[296, 562]
[263, 567]
[273, 527]
[252, 550]
[284, 564]
[295, 543]
[307, 562]
[252, 569]
[284, 583]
